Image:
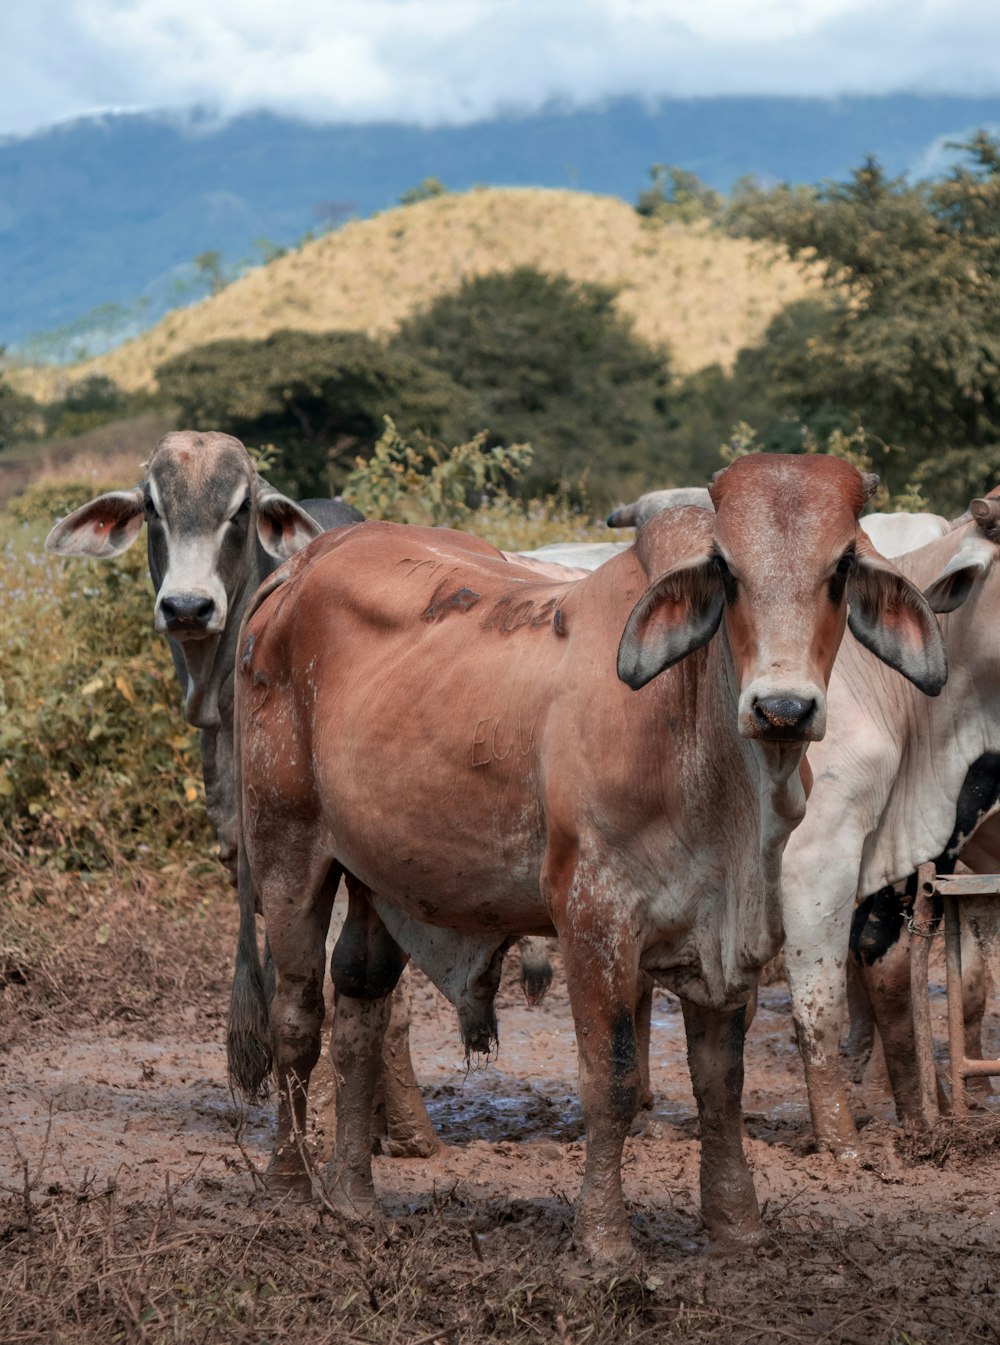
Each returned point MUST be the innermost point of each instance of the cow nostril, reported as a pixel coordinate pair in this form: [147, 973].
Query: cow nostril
[187, 609]
[784, 712]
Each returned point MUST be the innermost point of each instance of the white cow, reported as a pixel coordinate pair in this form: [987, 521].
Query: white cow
[889, 782]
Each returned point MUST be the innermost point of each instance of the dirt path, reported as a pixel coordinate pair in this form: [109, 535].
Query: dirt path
[125, 1123]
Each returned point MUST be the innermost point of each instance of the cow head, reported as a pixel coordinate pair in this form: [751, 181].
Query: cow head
[206, 511]
[784, 564]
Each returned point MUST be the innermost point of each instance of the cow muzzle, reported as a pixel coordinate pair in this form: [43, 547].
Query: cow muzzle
[188, 616]
[783, 715]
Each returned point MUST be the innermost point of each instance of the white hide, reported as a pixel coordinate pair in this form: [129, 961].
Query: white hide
[896, 534]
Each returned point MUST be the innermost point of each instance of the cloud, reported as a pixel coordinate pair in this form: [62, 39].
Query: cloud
[448, 61]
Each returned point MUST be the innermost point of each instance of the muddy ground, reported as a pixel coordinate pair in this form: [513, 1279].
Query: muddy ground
[131, 1209]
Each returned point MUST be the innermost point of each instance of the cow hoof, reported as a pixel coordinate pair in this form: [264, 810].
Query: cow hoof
[737, 1244]
[604, 1247]
[412, 1146]
[354, 1200]
[843, 1153]
[282, 1180]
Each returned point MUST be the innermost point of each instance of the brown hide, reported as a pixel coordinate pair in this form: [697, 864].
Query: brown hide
[455, 734]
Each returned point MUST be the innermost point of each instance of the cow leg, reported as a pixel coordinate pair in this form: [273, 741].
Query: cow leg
[366, 966]
[409, 1132]
[860, 1040]
[974, 980]
[880, 954]
[817, 933]
[297, 939]
[715, 1058]
[643, 1028]
[604, 1014]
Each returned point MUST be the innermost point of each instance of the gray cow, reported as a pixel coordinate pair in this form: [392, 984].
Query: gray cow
[215, 531]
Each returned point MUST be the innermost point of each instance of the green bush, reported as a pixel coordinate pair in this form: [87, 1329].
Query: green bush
[97, 767]
[424, 482]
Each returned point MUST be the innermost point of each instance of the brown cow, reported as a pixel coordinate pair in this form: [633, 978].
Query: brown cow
[485, 753]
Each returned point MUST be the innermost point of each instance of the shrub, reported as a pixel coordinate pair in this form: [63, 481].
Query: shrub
[424, 482]
[96, 764]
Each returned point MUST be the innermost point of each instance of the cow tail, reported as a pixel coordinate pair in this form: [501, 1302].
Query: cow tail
[248, 1037]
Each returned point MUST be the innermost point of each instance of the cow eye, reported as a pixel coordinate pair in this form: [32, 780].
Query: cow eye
[242, 512]
[838, 580]
[151, 511]
[729, 581]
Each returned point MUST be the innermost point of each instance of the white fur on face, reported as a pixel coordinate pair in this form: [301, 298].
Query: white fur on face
[193, 565]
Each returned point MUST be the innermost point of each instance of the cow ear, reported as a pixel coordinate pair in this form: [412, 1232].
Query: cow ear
[954, 584]
[676, 615]
[105, 527]
[283, 528]
[890, 617]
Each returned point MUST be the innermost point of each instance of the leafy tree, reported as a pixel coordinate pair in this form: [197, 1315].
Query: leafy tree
[676, 194]
[551, 363]
[92, 401]
[18, 416]
[911, 343]
[320, 399]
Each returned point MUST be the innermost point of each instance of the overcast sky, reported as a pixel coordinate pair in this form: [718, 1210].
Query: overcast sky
[433, 61]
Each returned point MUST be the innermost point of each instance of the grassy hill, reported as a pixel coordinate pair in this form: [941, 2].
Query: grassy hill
[700, 292]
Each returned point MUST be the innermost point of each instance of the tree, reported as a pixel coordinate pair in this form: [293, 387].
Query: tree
[319, 399]
[911, 343]
[676, 194]
[19, 415]
[92, 401]
[551, 363]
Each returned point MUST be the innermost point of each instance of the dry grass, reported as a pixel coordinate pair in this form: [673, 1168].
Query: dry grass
[81, 1264]
[205, 1258]
[700, 292]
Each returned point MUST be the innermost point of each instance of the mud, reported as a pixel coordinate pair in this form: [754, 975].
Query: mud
[903, 1246]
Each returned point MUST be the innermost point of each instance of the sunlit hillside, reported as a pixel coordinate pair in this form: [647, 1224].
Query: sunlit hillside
[702, 293]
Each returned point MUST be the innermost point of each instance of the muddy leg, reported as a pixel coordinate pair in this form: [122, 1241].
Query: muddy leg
[643, 1015]
[880, 952]
[365, 968]
[610, 1083]
[974, 979]
[860, 1040]
[355, 1043]
[297, 942]
[715, 1056]
[410, 1133]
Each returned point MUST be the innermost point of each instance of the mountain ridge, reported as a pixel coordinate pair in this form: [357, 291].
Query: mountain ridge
[110, 209]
